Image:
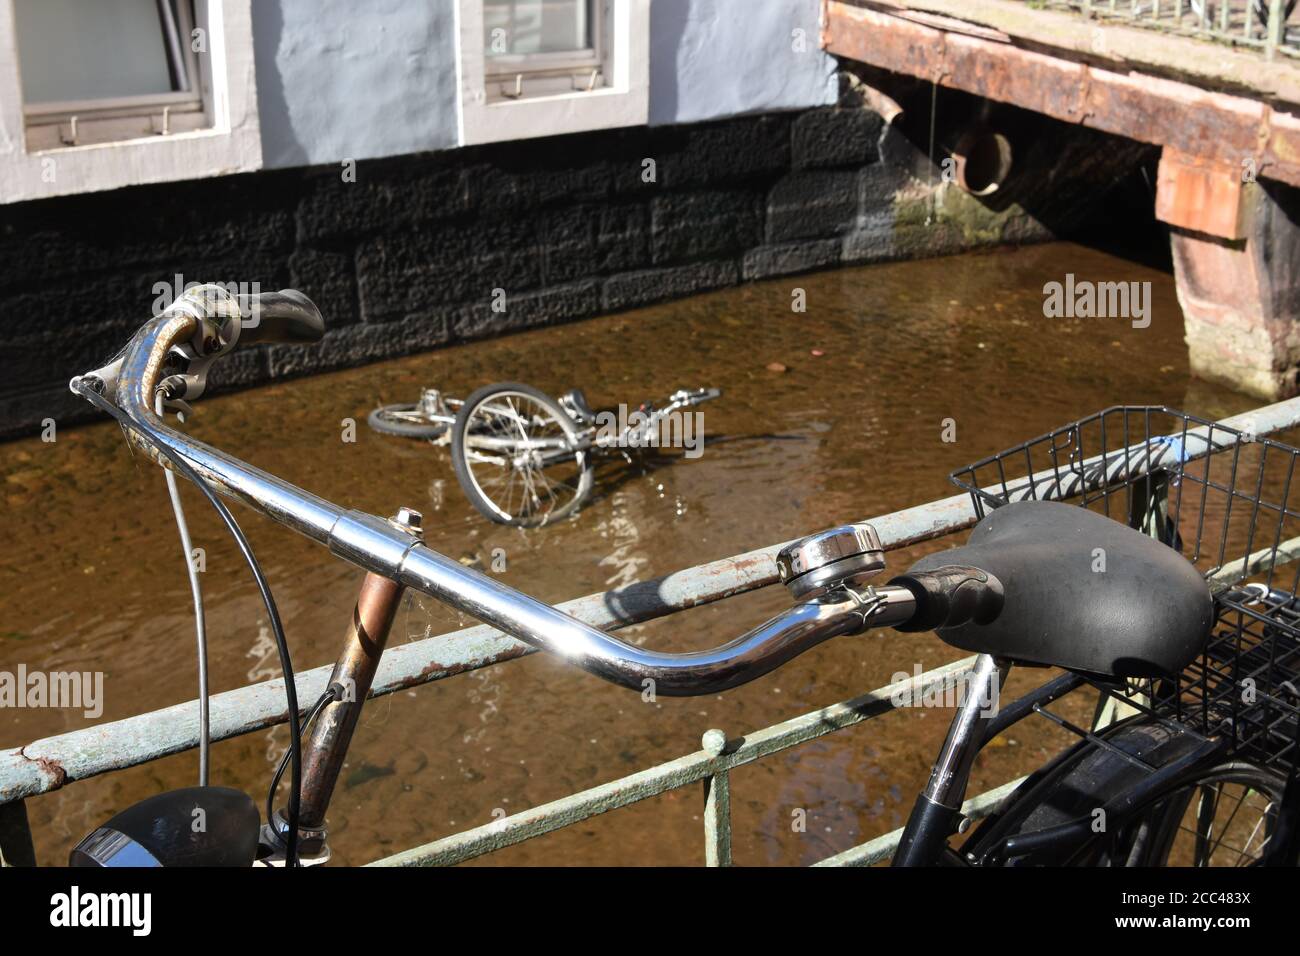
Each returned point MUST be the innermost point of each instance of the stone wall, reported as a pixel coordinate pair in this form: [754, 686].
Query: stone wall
[407, 254]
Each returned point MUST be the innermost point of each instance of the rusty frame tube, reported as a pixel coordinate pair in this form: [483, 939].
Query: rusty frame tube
[363, 646]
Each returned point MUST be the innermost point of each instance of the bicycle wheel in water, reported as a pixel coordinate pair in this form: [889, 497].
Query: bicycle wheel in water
[1221, 814]
[406, 420]
[519, 457]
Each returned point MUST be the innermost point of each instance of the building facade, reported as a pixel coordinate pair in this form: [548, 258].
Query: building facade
[432, 171]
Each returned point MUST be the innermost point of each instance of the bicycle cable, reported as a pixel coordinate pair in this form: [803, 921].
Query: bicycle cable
[332, 693]
[200, 623]
[83, 389]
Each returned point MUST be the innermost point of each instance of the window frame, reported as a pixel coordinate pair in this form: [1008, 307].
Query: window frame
[111, 118]
[620, 99]
[228, 140]
[545, 73]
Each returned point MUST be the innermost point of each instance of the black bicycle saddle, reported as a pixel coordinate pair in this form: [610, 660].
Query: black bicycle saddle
[1083, 592]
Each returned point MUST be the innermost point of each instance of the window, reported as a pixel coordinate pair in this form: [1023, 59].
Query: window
[107, 70]
[89, 87]
[536, 47]
[528, 68]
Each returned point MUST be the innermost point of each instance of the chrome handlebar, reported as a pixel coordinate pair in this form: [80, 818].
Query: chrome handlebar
[205, 324]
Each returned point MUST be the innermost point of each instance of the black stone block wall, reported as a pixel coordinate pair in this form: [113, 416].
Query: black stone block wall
[407, 257]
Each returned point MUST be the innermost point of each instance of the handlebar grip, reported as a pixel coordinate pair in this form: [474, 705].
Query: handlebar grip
[951, 595]
[286, 316]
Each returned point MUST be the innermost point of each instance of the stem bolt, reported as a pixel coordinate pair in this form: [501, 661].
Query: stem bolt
[408, 519]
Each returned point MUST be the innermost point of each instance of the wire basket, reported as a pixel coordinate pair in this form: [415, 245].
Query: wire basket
[1229, 502]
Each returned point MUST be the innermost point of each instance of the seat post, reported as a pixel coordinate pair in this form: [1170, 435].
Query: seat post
[951, 771]
[935, 814]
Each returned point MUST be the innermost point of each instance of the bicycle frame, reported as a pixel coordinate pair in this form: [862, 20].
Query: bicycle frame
[936, 815]
[925, 837]
[590, 436]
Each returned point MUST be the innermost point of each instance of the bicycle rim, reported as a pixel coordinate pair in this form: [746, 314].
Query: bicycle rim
[516, 456]
[407, 421]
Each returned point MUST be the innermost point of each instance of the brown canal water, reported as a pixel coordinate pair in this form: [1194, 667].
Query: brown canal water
[91, 578]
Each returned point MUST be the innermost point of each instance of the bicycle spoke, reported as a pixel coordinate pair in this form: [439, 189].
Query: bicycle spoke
[1209, 834]
[1232, 816]
[1255, 830]
[1204, 825]
[1229, 846]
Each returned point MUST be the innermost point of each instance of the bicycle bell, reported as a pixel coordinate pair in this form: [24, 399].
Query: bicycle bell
[824, 561]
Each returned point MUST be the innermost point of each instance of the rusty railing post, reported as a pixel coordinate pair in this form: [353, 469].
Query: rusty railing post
[717, 806]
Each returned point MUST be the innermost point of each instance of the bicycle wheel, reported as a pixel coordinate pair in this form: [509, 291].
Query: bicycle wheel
[519, 456]
[405, 420]
[1217, 815]
[1225, 816]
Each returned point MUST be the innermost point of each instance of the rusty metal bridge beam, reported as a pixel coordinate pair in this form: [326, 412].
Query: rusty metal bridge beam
[1118, 37]
[1194, 121]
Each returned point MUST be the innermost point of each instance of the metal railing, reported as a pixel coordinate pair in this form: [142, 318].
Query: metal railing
[54, 762]
[1254, 24]
[709, 766]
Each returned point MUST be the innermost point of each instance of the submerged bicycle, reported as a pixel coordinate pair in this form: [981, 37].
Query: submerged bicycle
[1164, 593]
[526, 459]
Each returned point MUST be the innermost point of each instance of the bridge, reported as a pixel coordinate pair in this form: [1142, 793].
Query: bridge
[1214, 85]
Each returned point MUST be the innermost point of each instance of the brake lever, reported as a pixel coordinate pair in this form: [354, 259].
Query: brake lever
[214, 336]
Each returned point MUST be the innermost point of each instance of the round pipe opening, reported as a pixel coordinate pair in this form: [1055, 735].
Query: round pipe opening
[983, 162]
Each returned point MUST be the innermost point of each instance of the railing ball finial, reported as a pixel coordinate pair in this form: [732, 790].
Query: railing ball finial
[714, 742]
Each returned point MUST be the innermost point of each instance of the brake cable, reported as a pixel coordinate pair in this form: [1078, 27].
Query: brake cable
[200, 623]
[332, 693]
[86, 391]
